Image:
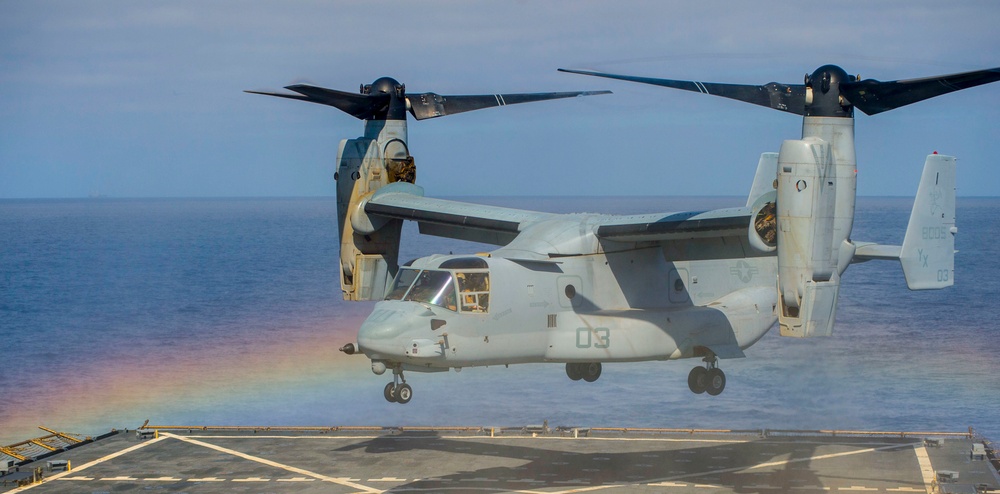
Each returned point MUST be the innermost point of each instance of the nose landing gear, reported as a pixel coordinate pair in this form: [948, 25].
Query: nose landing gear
[709, 378]
[396, 391]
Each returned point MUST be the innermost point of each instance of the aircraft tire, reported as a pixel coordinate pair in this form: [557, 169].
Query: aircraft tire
[716, 381]
[390, 392]
[403, 393]
[591, 371]
[698, 380]
[574, 371]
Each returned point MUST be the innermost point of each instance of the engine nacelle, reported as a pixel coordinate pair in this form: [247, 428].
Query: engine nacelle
[763, 230]
[808, 278]
[369, 248]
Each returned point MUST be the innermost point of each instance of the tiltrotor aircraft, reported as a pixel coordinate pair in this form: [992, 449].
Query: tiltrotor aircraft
[585, 289]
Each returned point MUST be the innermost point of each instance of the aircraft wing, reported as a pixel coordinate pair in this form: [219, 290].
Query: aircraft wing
[499, 226]
[452, 219]
[676, 226]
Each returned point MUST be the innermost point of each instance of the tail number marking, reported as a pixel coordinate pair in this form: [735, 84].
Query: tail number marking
[596, 338]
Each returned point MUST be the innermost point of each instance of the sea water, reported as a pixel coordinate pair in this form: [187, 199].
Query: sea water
[228, 312]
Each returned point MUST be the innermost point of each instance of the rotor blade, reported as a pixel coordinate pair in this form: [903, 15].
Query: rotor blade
[872, 97]
[430, 105]
[280, 95]
[784, 97]
[361, 106]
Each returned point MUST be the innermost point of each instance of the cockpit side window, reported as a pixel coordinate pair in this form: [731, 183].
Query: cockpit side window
[402, 283]
[474, 291]
[434, 287]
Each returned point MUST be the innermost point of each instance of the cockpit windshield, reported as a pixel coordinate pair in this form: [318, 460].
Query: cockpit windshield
[402, 283]
[438, 287]
[434, 287]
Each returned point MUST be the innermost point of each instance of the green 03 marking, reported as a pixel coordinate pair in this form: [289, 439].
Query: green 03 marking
[596, 338]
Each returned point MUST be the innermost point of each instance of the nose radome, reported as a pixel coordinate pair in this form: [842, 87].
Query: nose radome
[379, 337]
[383, 331]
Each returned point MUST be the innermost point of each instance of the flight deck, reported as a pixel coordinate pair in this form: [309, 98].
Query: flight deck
[534, 459]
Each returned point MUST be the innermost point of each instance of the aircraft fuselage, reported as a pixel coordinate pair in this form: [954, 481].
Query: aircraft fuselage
[587, 301]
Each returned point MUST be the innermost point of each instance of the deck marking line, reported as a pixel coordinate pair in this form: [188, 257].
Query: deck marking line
[468, 489]
[485, 438]
[207, 479]
[257, 459]
[753, 467]
[88, 465]
[926, 470]
[905, 489]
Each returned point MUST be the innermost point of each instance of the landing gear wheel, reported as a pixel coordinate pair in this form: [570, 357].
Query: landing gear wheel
[698, 380]
[574, 371]
[390, 392]
[403, 393]
[716, 381]
[591, 371]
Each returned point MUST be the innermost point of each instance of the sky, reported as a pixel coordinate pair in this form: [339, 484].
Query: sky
[145, 99]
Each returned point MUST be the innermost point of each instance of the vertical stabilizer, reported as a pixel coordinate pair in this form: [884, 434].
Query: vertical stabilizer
[765, 180]
[928, 253]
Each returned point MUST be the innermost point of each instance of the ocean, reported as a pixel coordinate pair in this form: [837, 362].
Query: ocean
[228, 312]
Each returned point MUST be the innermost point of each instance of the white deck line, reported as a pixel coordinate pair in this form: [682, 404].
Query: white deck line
[86, 465]
[264, 461]
[741, 468]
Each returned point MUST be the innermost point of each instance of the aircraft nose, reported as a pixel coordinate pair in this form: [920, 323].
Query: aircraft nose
[378, 337]
[380, 332]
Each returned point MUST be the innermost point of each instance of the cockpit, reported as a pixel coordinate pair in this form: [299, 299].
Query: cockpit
[460, 285]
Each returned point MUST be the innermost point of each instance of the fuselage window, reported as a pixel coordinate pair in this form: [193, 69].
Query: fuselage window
[402, 283]
[434, 287]
[474, 291]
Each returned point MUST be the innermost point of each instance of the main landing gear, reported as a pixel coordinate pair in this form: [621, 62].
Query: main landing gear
[396, 391]
[708, 379]
[587, 371]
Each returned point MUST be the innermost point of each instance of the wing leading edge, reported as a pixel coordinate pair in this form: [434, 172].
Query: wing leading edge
[452, 219]
[676, 226]
[500, 226]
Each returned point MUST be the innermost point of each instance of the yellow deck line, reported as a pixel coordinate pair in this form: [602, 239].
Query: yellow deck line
[926, 470]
